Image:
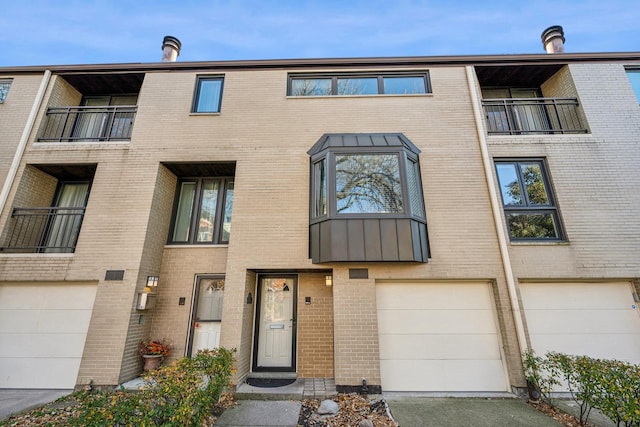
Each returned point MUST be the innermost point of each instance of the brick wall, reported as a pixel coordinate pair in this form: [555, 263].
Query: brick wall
[315, 328]
[268, 134]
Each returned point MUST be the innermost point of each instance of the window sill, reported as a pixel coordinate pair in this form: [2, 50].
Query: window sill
[204, 114]
[95, 144]
[390, 95]
[199, 246]
[37, 255]
[541, 243]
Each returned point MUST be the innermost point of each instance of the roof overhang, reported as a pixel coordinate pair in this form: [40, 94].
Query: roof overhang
[310, 63]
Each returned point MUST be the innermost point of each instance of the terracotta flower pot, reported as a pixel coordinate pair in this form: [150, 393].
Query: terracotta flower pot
[152, 361]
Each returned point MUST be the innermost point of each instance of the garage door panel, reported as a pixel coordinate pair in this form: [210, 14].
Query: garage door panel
[463, 346]
[605, 346]
[436, 321]
[30, 297]
[36, 373]
[41, 345]
[442, 375]
[570, 296]
[43, 325]
[434, 296]
[580, 321]
[592, 319]
[438, 337]
[54, 321]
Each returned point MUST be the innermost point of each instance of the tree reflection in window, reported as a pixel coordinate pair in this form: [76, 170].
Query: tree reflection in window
[368, 183]
[529, 210]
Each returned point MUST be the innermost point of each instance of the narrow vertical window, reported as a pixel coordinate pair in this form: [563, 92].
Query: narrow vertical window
[228, 207]
[208, 95]
[414, 186]
[5, 84]
[320, 178]
[208, 207]
[183, 214]
[634, 79]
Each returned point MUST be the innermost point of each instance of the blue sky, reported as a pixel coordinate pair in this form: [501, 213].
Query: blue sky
[40, 32]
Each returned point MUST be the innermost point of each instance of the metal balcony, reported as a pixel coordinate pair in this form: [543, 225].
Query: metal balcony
[77, 124]
[33, 230]
[518, 116]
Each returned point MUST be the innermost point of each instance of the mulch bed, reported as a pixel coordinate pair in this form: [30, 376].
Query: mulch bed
[563, 418]
[353, 409]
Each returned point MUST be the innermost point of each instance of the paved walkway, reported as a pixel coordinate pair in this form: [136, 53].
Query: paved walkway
[466, 412]
[13, 401]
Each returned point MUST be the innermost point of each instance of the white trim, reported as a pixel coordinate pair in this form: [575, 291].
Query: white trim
[13, 170]
[497, 210]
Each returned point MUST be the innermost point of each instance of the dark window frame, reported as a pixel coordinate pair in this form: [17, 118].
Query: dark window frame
[5, 86]
[329, 157]
[636, 89]
[195, 210]
[334, 77]
[551, 208]
[197, 90]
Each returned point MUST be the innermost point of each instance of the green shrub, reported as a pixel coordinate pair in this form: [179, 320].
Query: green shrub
[181, 394]
[611, 386]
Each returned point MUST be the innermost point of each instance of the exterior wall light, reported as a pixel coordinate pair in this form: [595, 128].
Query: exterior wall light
[328, 280]
[152, 281]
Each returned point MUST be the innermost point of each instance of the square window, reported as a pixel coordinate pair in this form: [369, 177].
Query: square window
[368, 183]
[208, 96]
[527, 200]
[5, 84]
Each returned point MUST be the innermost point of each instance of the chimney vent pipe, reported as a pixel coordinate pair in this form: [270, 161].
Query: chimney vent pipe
[170, 49]
[553, 39]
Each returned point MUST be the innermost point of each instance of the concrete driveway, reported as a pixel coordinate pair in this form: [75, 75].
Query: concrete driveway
[14, 401]
[466, 412]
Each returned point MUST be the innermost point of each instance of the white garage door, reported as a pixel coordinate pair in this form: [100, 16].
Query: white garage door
[599, 320]
[438, 337]
[42, 333]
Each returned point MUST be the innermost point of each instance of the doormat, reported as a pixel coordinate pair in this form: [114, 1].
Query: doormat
[270, 382]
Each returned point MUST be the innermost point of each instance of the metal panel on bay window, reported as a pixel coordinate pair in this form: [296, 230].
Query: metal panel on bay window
[366, 200]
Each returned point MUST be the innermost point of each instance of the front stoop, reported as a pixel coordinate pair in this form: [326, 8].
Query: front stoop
[303, 388]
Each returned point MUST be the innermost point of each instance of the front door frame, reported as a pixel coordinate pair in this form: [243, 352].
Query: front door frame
[294, 328]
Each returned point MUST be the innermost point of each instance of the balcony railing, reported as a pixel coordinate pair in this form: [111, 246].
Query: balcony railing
[513, 116]
[43, 230]
[71, 124]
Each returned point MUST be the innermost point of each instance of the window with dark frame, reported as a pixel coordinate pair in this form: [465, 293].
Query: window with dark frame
[5, 84]
[358, 84]
[202, 214]
[365, 200]
[634, 78]
[527, 198]
[208, 94]
[366, 182]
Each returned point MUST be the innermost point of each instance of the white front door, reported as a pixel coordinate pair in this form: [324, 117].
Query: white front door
[207, 315]
[276, 323]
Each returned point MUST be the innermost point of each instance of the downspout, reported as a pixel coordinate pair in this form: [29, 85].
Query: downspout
[13, 170]
[496, 208]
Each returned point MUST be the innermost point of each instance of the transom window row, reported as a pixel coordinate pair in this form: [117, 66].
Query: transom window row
[359, 84]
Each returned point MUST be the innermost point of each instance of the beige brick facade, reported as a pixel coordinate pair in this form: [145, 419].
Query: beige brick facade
[267, 134]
